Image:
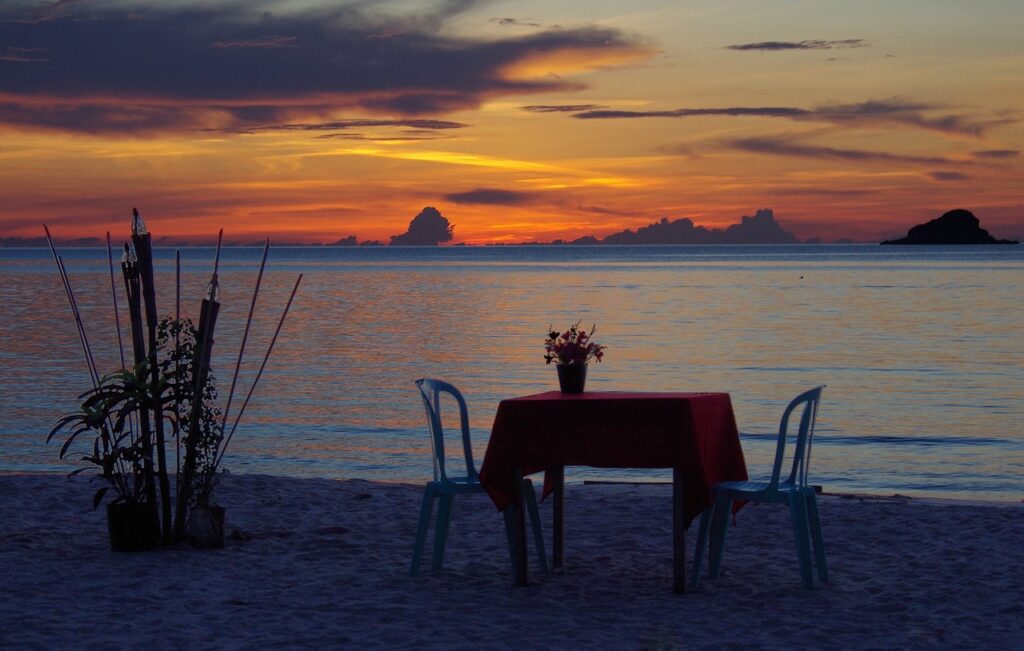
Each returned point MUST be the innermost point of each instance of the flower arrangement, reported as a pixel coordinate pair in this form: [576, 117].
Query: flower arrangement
[572, 346]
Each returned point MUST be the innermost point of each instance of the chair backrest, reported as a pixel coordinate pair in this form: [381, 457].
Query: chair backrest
[809, 400]
[431, 391]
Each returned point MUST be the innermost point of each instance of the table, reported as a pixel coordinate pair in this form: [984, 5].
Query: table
[693, 433]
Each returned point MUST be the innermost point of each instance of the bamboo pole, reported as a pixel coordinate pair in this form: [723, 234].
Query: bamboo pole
[245, 334]
[144, 250]
[200, 370]
[82, 337]
[130, 270]
[113, 297]
[177, 365]
[259, 374]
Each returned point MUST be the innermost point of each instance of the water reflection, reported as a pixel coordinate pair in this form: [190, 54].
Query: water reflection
[912, 349]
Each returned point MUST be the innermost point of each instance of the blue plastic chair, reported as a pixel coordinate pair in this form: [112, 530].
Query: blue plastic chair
[794, 492]
[445, 487]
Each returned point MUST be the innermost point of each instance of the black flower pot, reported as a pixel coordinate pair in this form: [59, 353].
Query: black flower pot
[572, 377]
[132, 527]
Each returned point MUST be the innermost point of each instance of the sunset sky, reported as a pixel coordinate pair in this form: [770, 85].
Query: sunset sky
[520, 121]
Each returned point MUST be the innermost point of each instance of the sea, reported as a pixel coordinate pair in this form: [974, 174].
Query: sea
[920, 349]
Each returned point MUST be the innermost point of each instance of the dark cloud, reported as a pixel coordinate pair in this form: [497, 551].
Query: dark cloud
[491, 196]
[514, 22]
[734, 111]
[560, 108]
[892, 111]
[997, 153]
[262, 41]
[365, 138]
[783, 147]
[948, 176]
[23, 55]
[816, 44]
[418, 124]
[429, 228]
[116, 66]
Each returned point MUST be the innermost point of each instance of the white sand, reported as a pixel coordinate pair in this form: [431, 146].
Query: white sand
[324, 564]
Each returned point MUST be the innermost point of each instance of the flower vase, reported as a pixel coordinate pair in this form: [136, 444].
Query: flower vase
[132, 527]
[572, 377]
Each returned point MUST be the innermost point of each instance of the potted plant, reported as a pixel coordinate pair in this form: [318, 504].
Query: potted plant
[204, 525]
[107, 412]
[166, 398]
[571, 351]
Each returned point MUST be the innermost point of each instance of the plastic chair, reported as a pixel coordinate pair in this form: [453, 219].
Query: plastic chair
[445, 487]
[794, 492]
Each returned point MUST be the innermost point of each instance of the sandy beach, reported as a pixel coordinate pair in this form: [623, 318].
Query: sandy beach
[316, 563]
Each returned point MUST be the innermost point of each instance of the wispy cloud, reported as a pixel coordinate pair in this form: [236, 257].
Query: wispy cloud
[23, 54]
[786, 147]
[514, 22]
[893, 111]
[997, 153]
[259, 42]
[732, 111]
[135, 68]
[491, 196]
[560, 108]
[942, 175]
[814, 44]
[420, 124]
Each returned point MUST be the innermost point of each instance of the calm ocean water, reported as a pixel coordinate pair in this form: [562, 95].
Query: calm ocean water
[920, 348]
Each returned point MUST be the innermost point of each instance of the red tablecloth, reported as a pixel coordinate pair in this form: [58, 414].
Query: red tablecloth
[695, 432]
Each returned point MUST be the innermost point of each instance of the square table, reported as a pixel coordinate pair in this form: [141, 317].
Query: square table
[695, 434]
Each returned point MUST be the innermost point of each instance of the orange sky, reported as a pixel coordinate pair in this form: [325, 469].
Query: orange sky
[519, 121]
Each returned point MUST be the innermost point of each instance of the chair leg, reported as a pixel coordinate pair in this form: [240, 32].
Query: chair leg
[702, 541]
[444, 520]
[719, 529]
[421, 529]
[814, 520]
[538, 532]
[801, 532]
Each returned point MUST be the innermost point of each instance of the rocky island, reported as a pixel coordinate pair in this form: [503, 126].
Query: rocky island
[955, 227]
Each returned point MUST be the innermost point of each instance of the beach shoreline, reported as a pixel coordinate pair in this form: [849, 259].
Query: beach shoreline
[312, 563]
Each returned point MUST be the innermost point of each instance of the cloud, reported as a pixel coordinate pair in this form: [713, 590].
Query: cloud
[948, 176]
[885, 112]
[114, 66]
[12, 54]
[418, 124]
[783, 147]
[560, 108]
[491, 196]
[734, 111]
[260, 42]
[997, 153]
[514, 22]
[429, 228]
[775, 46]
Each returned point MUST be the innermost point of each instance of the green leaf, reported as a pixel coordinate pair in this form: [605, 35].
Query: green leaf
[98, 497]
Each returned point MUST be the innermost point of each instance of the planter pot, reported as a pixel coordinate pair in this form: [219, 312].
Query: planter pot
[572, 377]
[132, 527]
[205, 528]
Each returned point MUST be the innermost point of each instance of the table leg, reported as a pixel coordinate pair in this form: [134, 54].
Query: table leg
[678, 533]
[519, 532]
[558, 530]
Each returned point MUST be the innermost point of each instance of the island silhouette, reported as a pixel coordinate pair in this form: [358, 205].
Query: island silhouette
[957, 226]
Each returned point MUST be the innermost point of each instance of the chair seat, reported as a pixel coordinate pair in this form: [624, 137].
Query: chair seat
[756, 490]
[453, 485]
